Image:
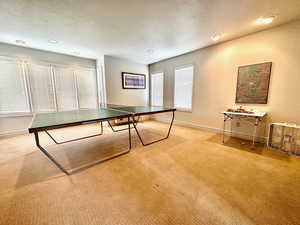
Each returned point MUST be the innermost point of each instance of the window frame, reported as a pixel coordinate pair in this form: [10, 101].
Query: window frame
[192, 96]
[52, 87]
[26, 82]
[75, 72]
[55, 79]
[150, 89]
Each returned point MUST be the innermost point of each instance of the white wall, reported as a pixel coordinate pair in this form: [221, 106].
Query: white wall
[35, 55]
[14, 125]
[9, 125]
[114, 92]
[215, 76]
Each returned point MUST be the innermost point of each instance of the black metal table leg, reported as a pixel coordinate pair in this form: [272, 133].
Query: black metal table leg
[141, 139]
[37, 141]
[114, 130]
[129, 133]
[49, 156]
[76, 139]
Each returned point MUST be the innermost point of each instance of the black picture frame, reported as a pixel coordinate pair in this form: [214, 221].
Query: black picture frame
[125, 75]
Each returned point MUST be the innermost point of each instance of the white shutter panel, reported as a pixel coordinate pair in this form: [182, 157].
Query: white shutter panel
[41, 87]
[157, 89]
[87, 88]
[65, 88]
[13, 97]
[183, 88]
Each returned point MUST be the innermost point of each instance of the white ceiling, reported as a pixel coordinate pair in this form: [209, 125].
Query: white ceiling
[144, 31]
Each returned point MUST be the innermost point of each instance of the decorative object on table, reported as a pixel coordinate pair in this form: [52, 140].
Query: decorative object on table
[240, 110]
[253, 83]
[133, 81]
[256, 116]
[285, 137]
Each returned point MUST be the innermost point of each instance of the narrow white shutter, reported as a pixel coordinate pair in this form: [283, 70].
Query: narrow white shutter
[87, 88]
[13, 97]
[41, 87]
[183, 88]
[65, 88]
[157, 89]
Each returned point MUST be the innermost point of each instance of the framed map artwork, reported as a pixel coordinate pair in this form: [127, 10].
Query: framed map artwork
[253, 83]
[133, 81]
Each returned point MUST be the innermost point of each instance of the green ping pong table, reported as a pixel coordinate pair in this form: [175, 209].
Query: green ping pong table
[44, 122]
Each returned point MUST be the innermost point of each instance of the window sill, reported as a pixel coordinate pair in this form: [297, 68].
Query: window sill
[15, 114]
[184, 110]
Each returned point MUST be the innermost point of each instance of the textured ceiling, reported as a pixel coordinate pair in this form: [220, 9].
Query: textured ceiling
[144, 31]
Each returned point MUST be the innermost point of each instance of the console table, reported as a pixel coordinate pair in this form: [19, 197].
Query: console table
[256, 116]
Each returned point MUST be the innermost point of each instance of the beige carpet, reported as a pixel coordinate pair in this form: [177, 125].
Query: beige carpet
[191, 178]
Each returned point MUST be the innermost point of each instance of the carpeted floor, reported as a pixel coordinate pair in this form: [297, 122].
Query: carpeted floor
[191, 178]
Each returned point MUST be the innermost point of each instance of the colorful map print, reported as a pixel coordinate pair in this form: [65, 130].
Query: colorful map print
[253, 83]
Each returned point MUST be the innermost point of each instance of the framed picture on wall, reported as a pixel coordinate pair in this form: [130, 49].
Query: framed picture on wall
[133, 80]
[253, 83]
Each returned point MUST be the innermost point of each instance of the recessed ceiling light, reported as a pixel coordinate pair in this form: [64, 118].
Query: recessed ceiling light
[216, 37]
[52, 41]
[265, 20]
[20, 42]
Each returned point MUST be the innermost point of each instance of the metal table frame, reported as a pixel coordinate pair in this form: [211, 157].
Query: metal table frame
[130, 120]
[152, 142]
[114, 130]
[76, 139]
[136, 123]
[230, 116]
[49, 156]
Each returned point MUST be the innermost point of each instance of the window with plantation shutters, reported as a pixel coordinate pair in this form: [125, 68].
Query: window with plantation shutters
[183, 88]
[65, 88]
[37, 87]
[86, 88]
[13, 92]
[157, 89]
[41, 88]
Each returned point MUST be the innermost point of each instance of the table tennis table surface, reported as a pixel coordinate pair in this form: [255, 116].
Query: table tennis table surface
[54, 120]
[43, 122]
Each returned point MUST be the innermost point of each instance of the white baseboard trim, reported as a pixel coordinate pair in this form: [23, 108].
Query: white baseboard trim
[177, 122]
[13, 132]
[213, 129]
